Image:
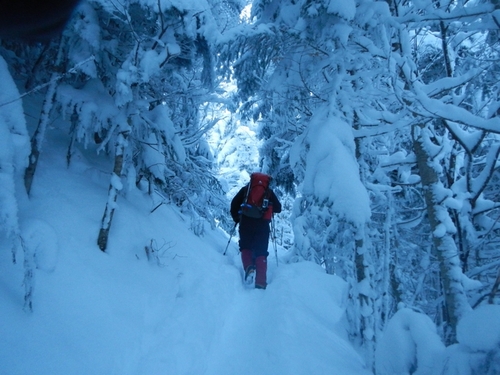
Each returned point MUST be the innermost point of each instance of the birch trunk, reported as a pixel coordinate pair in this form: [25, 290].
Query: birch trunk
[39, 135]
[114, 187]
[29, 276]
[364, 296]
[364, 270]
[455, 301]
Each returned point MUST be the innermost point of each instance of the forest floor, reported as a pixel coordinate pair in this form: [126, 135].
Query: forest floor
[183, 311]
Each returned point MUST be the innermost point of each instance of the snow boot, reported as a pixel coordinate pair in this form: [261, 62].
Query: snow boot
[250, 275]
[248, 267]
[246, 258]
[261, 270]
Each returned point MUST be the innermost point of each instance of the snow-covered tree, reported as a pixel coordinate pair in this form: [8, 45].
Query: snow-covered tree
[380, 118]
[408, 79]
[141, 72]
[14, 151]
[296, 70]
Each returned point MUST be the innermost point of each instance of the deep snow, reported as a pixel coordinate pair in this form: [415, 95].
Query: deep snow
[184, 311]
[118, 313]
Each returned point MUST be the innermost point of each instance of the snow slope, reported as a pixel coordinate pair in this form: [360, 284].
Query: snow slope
[186, 313]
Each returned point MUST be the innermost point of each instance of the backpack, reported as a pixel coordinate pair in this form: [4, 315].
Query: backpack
[256, 203]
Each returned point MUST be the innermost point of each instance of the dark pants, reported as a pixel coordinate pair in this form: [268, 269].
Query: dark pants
[254, 236]
[254, 242]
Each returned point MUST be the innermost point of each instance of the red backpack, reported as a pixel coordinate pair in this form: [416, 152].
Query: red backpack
[256, 203]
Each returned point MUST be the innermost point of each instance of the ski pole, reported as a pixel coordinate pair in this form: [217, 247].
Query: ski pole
[231, 236]
[274, 240]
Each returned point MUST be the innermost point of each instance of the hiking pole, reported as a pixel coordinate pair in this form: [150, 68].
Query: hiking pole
[273, 228]
[231, 236]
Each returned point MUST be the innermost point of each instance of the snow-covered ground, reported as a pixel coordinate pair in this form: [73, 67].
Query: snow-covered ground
[185, 312]
[184, 309]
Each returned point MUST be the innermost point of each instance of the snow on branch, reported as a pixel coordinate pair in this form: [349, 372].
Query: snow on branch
[55, 79]
[437, 109]
[440, 86]
[459, 13]
[332, 173]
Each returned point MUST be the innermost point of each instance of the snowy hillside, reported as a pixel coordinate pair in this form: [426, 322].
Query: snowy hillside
[184, 312]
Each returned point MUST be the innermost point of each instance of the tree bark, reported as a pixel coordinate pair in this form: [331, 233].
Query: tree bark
[455, 301]
[39, 135]
[114, 188]
[365, 300]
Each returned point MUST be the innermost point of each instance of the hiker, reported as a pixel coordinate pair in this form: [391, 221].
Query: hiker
[253, 207]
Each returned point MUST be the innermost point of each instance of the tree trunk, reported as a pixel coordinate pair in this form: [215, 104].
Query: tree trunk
[455, 301]
[39, 135]
[29, 276]
[364, 291]
[114, 188]
[364, 270]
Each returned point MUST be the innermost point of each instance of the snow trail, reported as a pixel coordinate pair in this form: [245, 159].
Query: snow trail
[281, 328]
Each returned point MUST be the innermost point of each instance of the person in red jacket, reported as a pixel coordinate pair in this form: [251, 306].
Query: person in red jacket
[254, 236]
